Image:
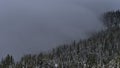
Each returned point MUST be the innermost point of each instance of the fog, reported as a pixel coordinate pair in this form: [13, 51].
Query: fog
[32, 26]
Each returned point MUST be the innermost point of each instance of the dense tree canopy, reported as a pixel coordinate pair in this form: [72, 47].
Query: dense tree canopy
[111, 18]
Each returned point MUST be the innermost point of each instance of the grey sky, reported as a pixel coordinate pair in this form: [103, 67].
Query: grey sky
[31, 26]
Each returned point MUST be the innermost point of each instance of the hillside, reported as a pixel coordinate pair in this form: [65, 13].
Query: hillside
[102, 50]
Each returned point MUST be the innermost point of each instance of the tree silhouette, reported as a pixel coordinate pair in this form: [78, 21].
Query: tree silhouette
[7, 62]
[111, 18]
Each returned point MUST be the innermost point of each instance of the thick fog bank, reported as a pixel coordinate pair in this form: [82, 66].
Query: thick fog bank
[32, 26]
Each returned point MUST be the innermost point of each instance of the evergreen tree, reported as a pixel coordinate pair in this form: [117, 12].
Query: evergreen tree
[7, 62]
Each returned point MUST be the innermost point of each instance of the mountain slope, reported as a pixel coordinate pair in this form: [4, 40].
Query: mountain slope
[102, 50]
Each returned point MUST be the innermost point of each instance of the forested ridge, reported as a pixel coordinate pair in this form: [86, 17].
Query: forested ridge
[101, 50]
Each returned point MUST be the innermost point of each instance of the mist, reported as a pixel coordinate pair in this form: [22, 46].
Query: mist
[32, 26]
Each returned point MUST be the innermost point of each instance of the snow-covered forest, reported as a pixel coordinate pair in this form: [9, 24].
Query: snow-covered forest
[101, 50]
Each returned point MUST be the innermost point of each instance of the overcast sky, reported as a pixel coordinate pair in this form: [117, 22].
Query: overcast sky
[32, 26]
